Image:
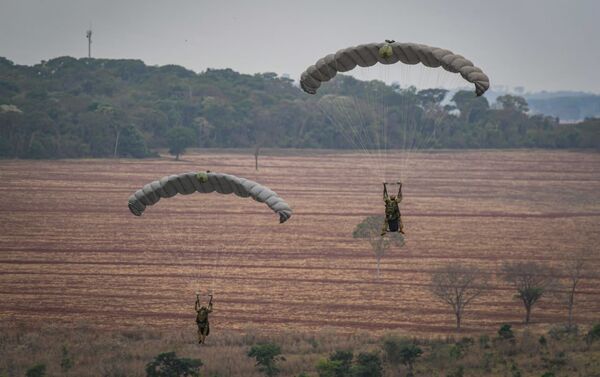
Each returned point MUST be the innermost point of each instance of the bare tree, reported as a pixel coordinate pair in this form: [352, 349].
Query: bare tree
[256, 154]
[574, 271]
[457, 286]
[531, 280]
[370, 229]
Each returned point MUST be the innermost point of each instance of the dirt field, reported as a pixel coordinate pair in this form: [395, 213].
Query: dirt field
[72, 253]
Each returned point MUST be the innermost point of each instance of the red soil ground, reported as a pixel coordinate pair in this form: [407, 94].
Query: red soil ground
[71, 252]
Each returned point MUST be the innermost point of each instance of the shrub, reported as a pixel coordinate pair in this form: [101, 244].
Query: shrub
[488, 362]
[594, 334]
[368, 364]
[505, 332]
[484, 342]
[168, 365]
[266, 355]
[65, 362]
[38, 370]
[459, 371]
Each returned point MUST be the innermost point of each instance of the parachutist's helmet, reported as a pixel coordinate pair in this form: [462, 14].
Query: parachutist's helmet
[392, 197]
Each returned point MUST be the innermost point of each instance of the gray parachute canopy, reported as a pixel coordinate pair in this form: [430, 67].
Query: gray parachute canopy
[206, 182]
[367, 55]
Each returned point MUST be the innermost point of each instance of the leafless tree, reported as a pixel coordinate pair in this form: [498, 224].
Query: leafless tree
[457, 286]
[574, 270]
[531, 280]
[370, 229]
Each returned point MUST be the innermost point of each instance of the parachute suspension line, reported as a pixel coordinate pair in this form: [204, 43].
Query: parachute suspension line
[377, 105]
[344, 121]
[353, 118]
[443, 80]
[217, 262]
[404, 80]
[205, 182]
[411, 111]
[371, 124]
[384, 72]
[223, 260]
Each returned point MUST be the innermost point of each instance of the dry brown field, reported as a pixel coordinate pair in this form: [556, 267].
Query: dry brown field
[72, 253]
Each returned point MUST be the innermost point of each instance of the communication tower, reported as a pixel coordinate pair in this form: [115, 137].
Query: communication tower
[88, 35]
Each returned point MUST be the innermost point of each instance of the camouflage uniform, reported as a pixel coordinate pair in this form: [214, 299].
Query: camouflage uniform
[202, 320]
[393, 219]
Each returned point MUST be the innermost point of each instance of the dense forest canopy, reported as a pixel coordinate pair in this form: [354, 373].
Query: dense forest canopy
[68, 107]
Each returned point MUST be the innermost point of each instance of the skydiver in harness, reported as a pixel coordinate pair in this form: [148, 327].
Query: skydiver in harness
[202, 317]
[393, 219]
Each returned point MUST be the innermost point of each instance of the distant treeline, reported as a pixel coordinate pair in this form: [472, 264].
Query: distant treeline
[68, 107]
[567, 108]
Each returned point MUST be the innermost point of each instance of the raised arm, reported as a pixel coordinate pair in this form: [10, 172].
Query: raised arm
[210, 304]
[385, 193]
[197, 305]
[399, 196]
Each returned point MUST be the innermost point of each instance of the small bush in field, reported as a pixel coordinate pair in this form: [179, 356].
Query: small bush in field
[515, 371]
[487, 364]
[484, 342]
[65, 362]
[594, 334]
[169, 365]
[505, 332]
[558, 361]
[38, 370]
[457, 372]
[562, 332]
[456, 352]
[542, 341]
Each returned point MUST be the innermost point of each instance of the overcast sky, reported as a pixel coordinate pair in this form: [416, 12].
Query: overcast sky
[538, 44]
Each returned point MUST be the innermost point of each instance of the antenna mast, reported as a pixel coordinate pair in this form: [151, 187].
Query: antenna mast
[88, 35]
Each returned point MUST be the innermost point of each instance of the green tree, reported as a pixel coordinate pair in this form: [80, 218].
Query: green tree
[179, 138]
[169, 365]
[513, 103]
[368, 364]
[401, 351]
[132, 143]
[329, 368]
[531, 280]
[38, 370]
[471, 107]
[338, 364]
[267, 355]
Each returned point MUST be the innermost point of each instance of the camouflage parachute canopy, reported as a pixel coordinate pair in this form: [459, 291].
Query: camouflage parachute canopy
[391, 52]
[207, 182]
